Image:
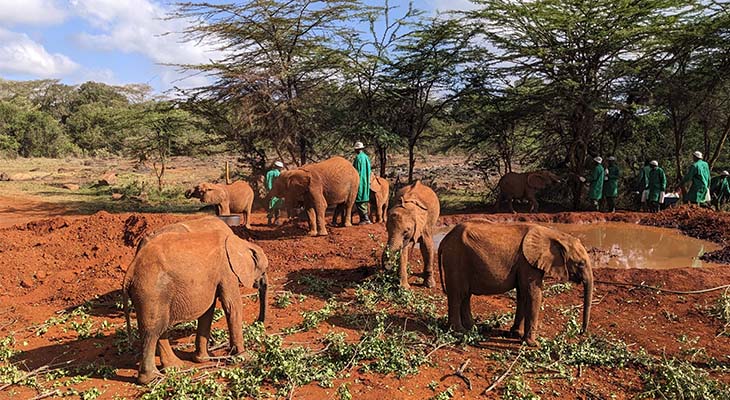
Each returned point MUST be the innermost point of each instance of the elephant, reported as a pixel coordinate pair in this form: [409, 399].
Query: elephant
[207, 223]
[235, 198]
[379, 196]
[332, 182]
[412, 220]
[514, 185]
[177, 276]
[479, 257]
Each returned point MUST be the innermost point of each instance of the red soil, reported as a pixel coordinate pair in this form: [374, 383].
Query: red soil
[58, 263]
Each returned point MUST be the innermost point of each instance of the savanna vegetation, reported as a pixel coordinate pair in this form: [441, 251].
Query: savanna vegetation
[545, 83]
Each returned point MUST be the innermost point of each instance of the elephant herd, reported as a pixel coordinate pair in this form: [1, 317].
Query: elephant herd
[165, 284]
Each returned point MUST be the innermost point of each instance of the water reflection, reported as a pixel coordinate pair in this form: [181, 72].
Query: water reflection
[620, 245]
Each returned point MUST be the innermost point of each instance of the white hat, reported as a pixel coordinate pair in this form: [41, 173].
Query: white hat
[654, 163]
[279, 164]
[611, 158]
[359, 146]
[697, 154]
[725, 173]
[598, 159]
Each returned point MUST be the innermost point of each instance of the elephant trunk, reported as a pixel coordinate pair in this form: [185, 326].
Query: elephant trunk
[263, 287]
[390, 253]
[587, 299]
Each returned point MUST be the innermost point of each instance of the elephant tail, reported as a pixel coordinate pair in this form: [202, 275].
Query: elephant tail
[441, 269]
[125, 304]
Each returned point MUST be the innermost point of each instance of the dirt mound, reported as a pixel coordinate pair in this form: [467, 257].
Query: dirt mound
[64, 261]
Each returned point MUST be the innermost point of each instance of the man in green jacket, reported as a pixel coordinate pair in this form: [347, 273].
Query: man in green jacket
[720, 189]
[362, 165]
[699, 175]
[610, 187]
[595, 193]
[643, 188]
[274, 206]
[657, 186]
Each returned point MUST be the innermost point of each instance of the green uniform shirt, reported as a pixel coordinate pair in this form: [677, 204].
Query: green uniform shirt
[362, 166]
[720, 188]
[657, 184]
[644, 177]
[610, 188]
[596, 180]
[269, 183]
[699, 175]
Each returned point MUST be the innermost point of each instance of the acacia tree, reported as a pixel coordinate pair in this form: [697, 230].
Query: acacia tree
[274, 54]
[369, 57]
[426, 77]
[583, 50]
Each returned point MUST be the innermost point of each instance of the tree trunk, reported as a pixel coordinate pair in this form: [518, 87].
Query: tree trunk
[382, 158]
[411, 159]
[302, 150]
[720, 143]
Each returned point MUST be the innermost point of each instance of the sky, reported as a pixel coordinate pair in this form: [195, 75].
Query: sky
[112, 41]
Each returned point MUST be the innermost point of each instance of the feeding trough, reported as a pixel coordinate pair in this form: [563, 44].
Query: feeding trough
[231, 220]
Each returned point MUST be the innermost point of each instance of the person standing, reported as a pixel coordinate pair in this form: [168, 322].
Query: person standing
[720, 189]
[610, 188]
[657, 186]
[274, 206]
[362, 166]
[643, 188]
[699, 175]
[595, 193]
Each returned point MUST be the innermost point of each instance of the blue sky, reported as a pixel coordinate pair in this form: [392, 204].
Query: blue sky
[111, 41]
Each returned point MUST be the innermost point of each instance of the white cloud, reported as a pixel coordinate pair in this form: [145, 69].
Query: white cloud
[35, 12]
[19, 54]
[449, 5]
[138, 26]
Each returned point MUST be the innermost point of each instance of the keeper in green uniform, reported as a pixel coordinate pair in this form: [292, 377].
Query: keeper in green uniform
[720, 189]
[595, 193]
[362, 166]
[699, 175]
[610, 187]
[643, 188]
[657, 186]
[274, 206]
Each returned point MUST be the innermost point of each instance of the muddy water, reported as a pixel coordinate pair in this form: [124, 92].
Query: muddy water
[620, 245]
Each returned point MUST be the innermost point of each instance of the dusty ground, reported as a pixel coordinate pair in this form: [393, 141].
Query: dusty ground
[52, 259]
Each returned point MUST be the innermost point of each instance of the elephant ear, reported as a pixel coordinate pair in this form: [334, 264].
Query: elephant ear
[543, 249]
[375, 183]
[416, 202]
[537, 180]
[300, 182]
[242, 260]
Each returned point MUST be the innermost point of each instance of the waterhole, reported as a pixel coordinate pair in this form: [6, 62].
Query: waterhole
[621, 245]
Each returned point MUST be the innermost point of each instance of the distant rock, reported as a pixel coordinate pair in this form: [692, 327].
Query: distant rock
[21, 177]
[117, 196]
[108, 179]
[4, 176]
[27, 282]
[71, 186]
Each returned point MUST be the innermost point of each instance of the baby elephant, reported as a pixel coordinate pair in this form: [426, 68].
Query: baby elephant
[177, 276]
[478, 257]
[236, 198]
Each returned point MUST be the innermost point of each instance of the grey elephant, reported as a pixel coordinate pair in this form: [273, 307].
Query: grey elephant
[514, 185]
[178, 276]
[236, 198]
[479, 257]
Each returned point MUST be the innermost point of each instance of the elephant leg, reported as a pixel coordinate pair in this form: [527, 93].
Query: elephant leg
[511, 204]
[466, 318]
[233, 307]
[320, 208]
[403, 267]
[428, 256]
[456, 301]
[384, 212]
[518, 327]
[533, 202]
[348, 212]
[203, 335]
[167, 355]
[312, 218]
[532, 285]
[150, 335]
[248, 216]
[336, 214]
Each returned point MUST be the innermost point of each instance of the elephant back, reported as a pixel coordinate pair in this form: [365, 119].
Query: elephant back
[338, 177]
[513, 184]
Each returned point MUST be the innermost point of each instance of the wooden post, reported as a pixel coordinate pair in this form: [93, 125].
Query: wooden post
[228, 174]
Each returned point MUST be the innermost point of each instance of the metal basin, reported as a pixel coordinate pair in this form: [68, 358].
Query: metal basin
[231, 220]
